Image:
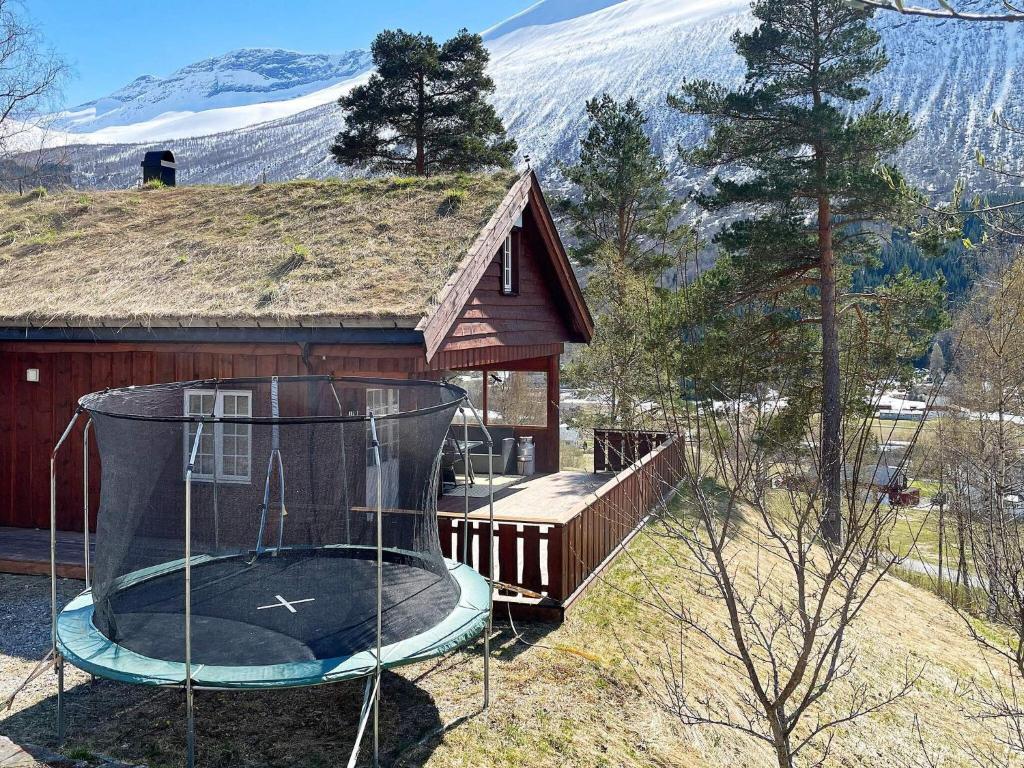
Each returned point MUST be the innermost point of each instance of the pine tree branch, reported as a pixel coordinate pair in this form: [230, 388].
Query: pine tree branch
[1013, 14]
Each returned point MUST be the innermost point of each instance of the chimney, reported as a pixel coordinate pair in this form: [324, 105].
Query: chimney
[159, 166]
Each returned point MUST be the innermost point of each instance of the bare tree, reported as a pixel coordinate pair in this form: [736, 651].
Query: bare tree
[988, 459]
[31, 76]
[775, 600]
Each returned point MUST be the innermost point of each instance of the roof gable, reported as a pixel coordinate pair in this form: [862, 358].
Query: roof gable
[463, 282]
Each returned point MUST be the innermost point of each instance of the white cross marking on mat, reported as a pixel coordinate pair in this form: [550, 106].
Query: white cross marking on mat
[286, 603]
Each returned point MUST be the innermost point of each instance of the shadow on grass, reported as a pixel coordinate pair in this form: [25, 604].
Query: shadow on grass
[302, 727]
[513, 638]
[683, 509]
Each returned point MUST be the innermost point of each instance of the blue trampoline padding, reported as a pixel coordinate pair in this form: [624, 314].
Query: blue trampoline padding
[82, 644]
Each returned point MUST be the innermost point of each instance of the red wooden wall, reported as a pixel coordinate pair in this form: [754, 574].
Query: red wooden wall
[34, 414]
[533, 316]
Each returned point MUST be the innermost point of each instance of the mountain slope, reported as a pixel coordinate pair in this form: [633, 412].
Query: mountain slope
[548, 60]
[167, 107]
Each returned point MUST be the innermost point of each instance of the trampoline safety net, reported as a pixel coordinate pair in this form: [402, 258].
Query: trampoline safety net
[284, 497]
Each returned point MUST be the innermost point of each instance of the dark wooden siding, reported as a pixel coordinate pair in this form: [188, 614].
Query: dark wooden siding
[33, 415]
[530, 317]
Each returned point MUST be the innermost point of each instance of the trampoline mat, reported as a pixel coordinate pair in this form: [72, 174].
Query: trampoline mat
[297, 606]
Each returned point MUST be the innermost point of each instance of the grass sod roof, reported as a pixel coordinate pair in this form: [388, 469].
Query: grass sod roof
[372, 252]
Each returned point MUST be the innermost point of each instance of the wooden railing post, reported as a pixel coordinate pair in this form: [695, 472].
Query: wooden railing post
[558, 561]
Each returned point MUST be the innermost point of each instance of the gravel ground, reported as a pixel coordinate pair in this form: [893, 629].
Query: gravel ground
[311, 727]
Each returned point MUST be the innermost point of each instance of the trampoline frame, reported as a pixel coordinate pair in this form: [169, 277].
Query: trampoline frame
[371, 695]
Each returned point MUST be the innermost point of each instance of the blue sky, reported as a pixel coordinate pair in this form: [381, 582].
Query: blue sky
[110, 42]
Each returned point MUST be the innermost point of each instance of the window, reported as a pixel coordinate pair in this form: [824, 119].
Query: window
[518, 398]
[509, 268]
[225, 450]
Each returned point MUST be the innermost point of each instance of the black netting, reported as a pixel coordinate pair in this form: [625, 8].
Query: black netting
[283, 516]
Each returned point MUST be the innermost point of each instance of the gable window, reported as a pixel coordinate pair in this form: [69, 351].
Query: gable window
[225, 450]
[510, 263]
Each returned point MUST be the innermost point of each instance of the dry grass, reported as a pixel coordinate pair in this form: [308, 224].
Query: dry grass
[571, 700]
[301, 250]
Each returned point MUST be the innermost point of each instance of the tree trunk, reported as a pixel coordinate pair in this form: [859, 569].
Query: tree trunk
[421, 159]
[831, 467]
[780, 737]
[831, 413]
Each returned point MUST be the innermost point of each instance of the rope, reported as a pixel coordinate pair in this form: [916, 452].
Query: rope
[37, 671]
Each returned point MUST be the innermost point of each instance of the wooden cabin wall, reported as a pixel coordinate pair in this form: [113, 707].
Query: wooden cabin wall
[34, 414]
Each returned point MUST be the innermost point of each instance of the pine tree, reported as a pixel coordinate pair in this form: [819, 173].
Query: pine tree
[803, 153]
[624, 208]
[621, 220]
[424, 110]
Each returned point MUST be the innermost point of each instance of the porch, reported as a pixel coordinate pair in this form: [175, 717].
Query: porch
[27, 551]
[554, 533]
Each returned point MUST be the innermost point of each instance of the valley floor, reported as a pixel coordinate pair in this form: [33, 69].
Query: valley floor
[567, 697]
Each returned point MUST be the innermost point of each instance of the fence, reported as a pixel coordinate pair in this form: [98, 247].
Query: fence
[616, 449]
[547, 567]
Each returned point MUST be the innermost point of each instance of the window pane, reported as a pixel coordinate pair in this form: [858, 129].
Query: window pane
[517, 397]
[204, 465]
[200, 403]
[473, 383]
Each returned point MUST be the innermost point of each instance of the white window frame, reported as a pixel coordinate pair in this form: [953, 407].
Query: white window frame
[506, 266]
[383, 401]
[218, 436]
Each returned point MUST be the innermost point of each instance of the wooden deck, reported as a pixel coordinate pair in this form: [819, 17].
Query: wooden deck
[539, 499]
[553, 534]
[27, 550]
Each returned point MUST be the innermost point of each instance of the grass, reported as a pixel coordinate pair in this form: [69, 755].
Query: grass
[916, 534]
[565, 697]
[899, 429]
[360, 248]
[575, 457]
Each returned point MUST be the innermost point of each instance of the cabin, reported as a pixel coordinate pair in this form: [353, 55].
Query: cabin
[463, 278]
[459, 277]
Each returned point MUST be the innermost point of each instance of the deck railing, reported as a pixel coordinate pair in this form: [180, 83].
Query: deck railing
[547, 566]
[616, 449]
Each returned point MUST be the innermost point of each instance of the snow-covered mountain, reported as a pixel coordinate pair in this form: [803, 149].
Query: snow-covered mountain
[546, 62]
[174, 106]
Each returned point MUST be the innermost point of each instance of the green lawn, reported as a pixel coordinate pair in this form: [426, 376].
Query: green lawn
[915, 534]
[900, 429]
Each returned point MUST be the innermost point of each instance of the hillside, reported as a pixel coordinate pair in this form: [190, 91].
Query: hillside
[546, 62]
[567, 698]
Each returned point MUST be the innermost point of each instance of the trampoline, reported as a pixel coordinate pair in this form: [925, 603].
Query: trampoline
[260, 533]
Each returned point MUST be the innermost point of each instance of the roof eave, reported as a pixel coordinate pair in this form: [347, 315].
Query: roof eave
[223, 334]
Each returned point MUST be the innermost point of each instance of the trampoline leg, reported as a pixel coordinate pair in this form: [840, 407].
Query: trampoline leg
[376, 724]
[190, 728]
[60, 700]
[487, 666]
